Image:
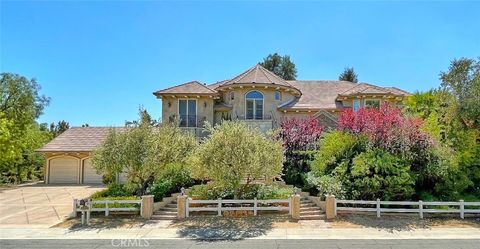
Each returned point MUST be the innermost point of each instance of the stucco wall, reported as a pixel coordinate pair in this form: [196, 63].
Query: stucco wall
[204, 108]
[270, 104]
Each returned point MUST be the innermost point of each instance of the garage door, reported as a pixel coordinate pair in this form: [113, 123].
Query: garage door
[89, 174]
[63, 170]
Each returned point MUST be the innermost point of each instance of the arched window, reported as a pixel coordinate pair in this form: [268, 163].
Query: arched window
[254, 105]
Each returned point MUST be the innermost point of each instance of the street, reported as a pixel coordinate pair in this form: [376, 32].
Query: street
[250, 244]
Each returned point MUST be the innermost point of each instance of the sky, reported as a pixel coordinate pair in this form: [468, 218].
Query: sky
[99, 61]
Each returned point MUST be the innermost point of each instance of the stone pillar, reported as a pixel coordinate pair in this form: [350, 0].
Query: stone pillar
[181, 206]
[330, 207]
[296, 206]
[146, 209]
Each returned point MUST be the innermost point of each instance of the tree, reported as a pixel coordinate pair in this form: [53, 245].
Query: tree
[282, 66]
[20, 105]
[143, 152]
[463, 81]
[348, 75]
[235, 153]
[59, 128]
[298, 133]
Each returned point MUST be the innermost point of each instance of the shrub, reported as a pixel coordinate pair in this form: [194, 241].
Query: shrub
[161, 189]
[116, 205]
[326, 185]
[113, 190]
[210, 192]
[268, 192]
[235, 153]
[299, 133]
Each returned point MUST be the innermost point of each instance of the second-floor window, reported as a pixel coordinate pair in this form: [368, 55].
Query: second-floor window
[232, 95]
[372, 103]
[187, 111]
[278, 95]
[254, 105]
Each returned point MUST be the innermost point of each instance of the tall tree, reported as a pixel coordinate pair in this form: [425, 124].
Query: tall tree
[463, 81]
[59, 128]
[282, 66]
[20, 105]
[348, 74]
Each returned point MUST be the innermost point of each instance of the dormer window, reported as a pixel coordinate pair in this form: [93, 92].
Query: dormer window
[278, 95]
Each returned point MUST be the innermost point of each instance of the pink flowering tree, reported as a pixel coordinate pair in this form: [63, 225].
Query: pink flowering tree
[387, 128]
[299, 133]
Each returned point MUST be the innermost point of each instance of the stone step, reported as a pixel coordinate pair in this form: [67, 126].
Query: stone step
[171, 205]
[309, 208]
[163, 217]
[162, 212]
[307, 205]
[313, 212]
[313, 217]
[169, 209]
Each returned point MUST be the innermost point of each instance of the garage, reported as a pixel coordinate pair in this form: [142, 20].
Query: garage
[90, 175]
[63, 170]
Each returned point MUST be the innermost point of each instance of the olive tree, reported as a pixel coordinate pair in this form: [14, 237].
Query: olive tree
[143, 152]
[235, 156]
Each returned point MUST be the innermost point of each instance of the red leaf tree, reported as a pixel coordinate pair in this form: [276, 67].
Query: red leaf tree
[298, 133]
[388, 128]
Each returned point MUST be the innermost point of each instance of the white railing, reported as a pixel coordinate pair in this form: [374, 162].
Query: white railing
[419, 207]
[106, 208]
[254, 205]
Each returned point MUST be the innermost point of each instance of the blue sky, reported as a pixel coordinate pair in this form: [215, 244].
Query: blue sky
[100, 60]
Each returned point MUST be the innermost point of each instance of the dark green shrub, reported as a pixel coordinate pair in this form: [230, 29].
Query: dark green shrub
[161, 189]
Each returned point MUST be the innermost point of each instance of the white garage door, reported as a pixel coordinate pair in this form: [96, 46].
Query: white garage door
[63, 170]
[89, 173]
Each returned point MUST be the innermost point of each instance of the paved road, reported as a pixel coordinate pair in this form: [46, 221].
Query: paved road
[250, 244]
[39, 205]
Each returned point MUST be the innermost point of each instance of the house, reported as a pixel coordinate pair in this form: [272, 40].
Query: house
[261, 98]
[256, 96]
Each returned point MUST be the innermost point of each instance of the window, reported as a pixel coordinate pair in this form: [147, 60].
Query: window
[232, 95]
[372, 103]
[278, 95]
[254, 105]
[187, 110]
[356, 105]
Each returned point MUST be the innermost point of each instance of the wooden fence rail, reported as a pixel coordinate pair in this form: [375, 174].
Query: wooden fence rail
[419, 207]
[106, 208]
[254, 205]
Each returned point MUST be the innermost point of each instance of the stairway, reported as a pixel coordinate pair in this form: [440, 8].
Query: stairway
[309, 210]
[169, 212]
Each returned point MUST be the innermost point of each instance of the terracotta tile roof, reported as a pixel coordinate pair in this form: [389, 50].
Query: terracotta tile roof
[257, 74]
[365, 88]
[192, 87]
[317, 94]
[78, 139]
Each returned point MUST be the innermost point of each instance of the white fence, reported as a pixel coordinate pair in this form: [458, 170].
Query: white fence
[105, 206]
[254, 205]
[419, 207]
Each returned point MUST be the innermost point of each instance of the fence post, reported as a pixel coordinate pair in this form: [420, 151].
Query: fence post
[378, 208]
[181, 206]
[187, 206]
[296, 207]
[330, 206]
[420, 209]
[462, 209]
[219, 207]
[146, 207]
[255, 206]
[106, 208]
[74, 213]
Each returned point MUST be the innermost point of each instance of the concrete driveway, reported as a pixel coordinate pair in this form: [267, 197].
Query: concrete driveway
[40, 205]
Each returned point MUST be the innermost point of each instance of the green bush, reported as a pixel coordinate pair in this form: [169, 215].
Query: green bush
[161, 189]
[267, 192]
[325, 185]
[113, 190]
[116, 205]
[261, 192]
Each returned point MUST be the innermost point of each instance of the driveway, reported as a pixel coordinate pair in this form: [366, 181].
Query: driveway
[40, 205]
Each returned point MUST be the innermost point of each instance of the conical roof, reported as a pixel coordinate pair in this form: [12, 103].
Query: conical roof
[257, 75]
